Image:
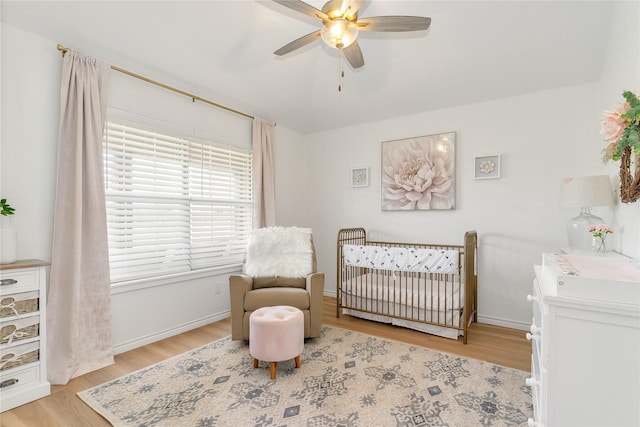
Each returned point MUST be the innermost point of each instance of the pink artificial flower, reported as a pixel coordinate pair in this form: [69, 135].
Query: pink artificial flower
[604, 229]
[599, 230]
[608, 152]
[613, 125]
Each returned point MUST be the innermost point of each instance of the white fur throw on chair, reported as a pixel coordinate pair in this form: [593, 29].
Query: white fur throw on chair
[279, 252]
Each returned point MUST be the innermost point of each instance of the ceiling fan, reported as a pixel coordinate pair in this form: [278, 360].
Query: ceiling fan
[341, 25]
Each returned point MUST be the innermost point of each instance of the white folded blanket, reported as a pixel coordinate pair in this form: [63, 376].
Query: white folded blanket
[279, 252]
[402, 259]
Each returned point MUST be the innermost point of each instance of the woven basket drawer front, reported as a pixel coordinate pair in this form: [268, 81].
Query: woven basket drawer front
[18, 355]
[16, 378]
[18, 304]
[18, 281]
[19, 329]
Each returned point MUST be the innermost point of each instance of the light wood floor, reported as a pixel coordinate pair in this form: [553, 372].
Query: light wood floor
[63, 408]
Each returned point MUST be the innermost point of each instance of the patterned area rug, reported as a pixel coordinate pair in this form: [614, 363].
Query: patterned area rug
[346, 379]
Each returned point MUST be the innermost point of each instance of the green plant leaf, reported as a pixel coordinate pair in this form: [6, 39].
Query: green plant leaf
[631, 98]
[5, 208]
[634, 138]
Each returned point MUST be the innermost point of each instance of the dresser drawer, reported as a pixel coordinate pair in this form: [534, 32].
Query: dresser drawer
[537, 304]
[16, 305]
[18, 329]
[540, 322]
[19, 355]
[13, 281]
[18, 378]
[537, 381]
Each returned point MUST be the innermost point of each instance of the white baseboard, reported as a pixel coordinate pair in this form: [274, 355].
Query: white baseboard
[332, 294]
[513, 324]
[496, 321]
[160, 335]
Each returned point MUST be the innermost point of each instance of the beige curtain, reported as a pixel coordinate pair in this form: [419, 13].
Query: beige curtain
[79, 303]
[264, 189]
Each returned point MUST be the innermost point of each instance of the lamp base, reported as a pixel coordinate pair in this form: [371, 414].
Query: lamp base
[580, 239]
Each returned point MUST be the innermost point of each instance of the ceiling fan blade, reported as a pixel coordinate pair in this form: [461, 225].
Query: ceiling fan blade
[298, 43]
[354, 55]
[302, 7]
[393, 23]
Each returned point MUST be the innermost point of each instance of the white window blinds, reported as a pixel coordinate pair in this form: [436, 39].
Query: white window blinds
[174, 204]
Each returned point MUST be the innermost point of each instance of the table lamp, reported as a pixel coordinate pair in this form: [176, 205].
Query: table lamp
[584, 192]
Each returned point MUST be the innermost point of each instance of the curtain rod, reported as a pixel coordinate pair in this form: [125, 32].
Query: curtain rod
[193, 97]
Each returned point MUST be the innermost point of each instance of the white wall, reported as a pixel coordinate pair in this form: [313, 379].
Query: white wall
[542, 138]
[620, 72]
[31, 66]
[30, 82]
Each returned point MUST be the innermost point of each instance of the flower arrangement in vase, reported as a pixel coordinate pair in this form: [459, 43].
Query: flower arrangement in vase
[599, 233]
[621, 129]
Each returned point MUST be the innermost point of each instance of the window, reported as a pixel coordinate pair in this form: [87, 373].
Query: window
[174, 203]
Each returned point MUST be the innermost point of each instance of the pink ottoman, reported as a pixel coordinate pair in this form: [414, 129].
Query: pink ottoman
[276, 334]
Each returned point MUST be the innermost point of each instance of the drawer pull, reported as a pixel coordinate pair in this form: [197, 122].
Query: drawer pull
[9, 382]
[4, 282]
[529, 336]
[535, 330]
[531, 298]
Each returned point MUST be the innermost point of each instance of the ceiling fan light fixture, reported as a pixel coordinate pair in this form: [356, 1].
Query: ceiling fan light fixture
[339, 33]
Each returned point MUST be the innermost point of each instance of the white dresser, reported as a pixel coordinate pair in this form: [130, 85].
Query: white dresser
[585, 368]
[23, 361]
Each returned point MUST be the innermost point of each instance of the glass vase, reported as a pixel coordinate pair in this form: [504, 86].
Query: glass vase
[599, 245]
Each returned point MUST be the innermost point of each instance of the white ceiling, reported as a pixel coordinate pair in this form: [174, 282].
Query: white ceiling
[474, 51]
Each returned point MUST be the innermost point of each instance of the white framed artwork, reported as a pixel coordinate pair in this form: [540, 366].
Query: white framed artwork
[486, 167]
[360, 177]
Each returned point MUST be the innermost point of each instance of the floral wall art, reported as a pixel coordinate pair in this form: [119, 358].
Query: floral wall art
[486, 167]
[419, 173]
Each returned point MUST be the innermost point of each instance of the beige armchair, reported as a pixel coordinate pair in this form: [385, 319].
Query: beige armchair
[280, 269]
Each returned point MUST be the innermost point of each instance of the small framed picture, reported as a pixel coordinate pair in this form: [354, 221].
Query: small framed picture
[486, 167]
[360, 177]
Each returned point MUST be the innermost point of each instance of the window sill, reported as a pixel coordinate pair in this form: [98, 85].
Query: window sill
[170, 279]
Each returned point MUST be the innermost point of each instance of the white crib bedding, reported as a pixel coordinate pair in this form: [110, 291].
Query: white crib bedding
[425, 260]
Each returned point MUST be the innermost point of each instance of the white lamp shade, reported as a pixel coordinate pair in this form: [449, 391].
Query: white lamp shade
[586, 191]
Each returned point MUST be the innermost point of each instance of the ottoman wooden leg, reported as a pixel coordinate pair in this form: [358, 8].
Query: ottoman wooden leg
[274, 365]
[297, 361]
[255, 363]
